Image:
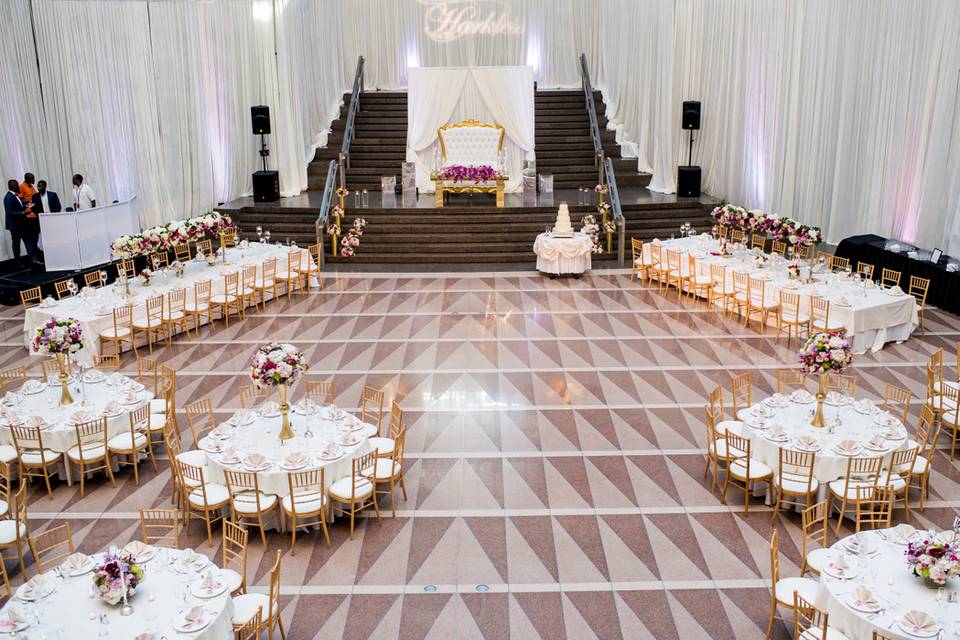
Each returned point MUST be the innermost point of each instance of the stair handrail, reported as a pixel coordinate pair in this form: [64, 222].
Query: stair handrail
[592, 111]
[351, 117]
[617, 210]
[326, 203]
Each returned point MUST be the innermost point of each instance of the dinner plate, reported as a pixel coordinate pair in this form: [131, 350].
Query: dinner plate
[146, 556]
[34, 390]
[782, 438]
[328, 457]
[94, 377]
[848, 454]
[846, 575]
[814, 448]
[51, 587]
[917, 634]
[8, 627]
[200, 561]
[113, 414]
[882, 449]
[87, 567]
[262, 467]
[863, 608]
[198, 591]
[286, 467]
[180, 623]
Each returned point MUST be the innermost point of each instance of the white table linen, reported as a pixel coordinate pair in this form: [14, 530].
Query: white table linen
[60, 435]
[795, 419]
[871, 316]
[73, 608]
[261, 437]
[94, 307]
[563, 255]
[886, 574]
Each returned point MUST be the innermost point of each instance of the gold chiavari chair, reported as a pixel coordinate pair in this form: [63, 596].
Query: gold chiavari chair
[701, 281]
[250, 630]
[310, 266]
[716, 456]
[61, 288]
[839, 264]
[720, 291]
[879, 636]
[928, 433]
[152, 321]
[758, 240]
[7, 589]
[251, 396]
[388, 470]
[122, 330]
[134, 442]
[815, 527]
[234, 552]
[91, 454]
[757, 303]
[801, 252]
[896, 400]
[290, 277]
[826, 258]
[111, 361]
[36, 460]
[890, 278]
[658, 268]
[126, 269]
[175, 313]
[163, 408]
[384, 444]
[306, 504]
[207, 499]
[789, 380]
[810, 623]
[200, 419]
[228, 239]
[248, 290]
[6, 475]
[778, 247]
[918, 289]
[205, 246]
[371, 406]
[741, 387]
[639, 263]
[355, 492]
[247, 502]
[793, 482]
[820, 316]
[723, 231]
[31, 297]
[159, 260]
[51, 547]
[15, 537]
[865, 269]
[722, 425]
[715, 399]
[874, 507]
[950, 415]
[229, 299]
[900, 476]
[95, 279]
[199, 307]
[789, 316]
[861, 472]
[246, 605]
[267, 280]
[782, 589]
[741, 292]
[743, 471]
[677, 276]
[181, 252]
[12, 378]
[843, 383]
[147, 373]
[320, 392]
[160, 527]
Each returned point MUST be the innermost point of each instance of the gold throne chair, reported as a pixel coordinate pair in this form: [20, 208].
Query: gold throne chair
[470, 143]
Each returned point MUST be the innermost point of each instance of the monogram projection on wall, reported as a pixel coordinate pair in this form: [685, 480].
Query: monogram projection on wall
[450, 20]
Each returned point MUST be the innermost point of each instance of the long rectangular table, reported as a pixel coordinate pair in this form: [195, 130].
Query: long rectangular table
[944, 285]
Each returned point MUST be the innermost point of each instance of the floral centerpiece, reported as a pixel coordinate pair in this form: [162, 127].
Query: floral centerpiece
[821, 354]
[178, 232]
[935, 562]
[281, 365]
[475, 174]
[589, 227]
[793, 270]
[117, 577]
[756, 221]
[146, 276]
[350, 242]
[600, 188]
[760, 261]
[59, 337]
[178, 268]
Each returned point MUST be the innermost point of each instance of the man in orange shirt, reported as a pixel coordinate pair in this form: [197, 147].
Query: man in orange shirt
[31, 229]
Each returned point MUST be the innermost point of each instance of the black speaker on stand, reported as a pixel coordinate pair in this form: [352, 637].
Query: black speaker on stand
[266, 184]
[688, 177]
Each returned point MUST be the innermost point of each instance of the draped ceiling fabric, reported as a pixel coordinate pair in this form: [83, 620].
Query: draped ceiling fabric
[437, 96]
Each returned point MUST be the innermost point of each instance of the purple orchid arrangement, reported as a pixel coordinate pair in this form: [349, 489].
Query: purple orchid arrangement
[461, 173]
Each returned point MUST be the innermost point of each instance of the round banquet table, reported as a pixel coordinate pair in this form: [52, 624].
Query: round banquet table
[563, 255]
[795, 419]
[60, 434]
[880, 566]
[261, 436]
[164, 593]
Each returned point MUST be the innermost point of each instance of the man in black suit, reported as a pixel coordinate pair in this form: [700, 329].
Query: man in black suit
[45, 201]
[15, 214]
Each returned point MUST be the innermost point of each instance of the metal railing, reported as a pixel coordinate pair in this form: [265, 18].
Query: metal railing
[351, 118]
[592, 111]
[617, 210]
[325, 205]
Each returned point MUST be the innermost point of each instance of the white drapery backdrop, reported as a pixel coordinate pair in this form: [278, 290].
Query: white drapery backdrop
[438, 96]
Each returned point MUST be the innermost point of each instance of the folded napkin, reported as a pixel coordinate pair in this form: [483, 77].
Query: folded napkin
[32, 385]
[871, 284]
[842, 301]
[132, 396]
[848, 446]
[207, 581]
[35, 585]
[241, 417]
[230, 456]
[863, 598]
[255, 460]
[807, 442]
[188, 559]
[9, 398]
[193, 616]
[896, 289]
[76, 561]
[112, 407]
[15, 615]
[904, 531]
[220, 431]
[295, 459]
[12, 417]
[331, 450]
[834, 397]
[269, 407]
[918, 621]
[776, 432]
[877, 442]
[864, 405]
[801, 395]
[79, 417]
[36, 421]
[137, 548]
[348, 439]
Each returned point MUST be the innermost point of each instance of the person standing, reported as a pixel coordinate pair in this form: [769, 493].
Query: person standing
[46, 201]
[83, 197]
[15, 219]
[27, 190]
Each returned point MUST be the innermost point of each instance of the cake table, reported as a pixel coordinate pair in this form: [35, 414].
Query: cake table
[569, 255]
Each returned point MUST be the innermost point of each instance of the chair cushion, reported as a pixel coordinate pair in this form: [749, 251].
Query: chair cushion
[90, 454]
[794, 483]
[758, 470]
[121, 332]
[158, 405]
[233, 580]
[703, 280]
[283, 275]
[382, 445]
[786, 586]
[816, 634]
[897, 483]
[147, 323]
[920, 465]
[817, 559]
[123, 441]
[733, 426]
[832, 326]
[192, 307]
[7, 453]
[245, 606]
[306, 504]
[246, 503]
[8, 531]
[788, 317]
[173, 315]
[216, 494]
[223, 299]
[157, 421]
[340, 489]
[836, 488]
[383, 469]
[33, 459]
[721, 447]
[196, 457]
[263, 284]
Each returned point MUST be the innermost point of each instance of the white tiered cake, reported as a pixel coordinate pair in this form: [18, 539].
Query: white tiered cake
[563, 229]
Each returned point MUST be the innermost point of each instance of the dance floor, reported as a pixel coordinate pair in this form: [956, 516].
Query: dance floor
[554, 458]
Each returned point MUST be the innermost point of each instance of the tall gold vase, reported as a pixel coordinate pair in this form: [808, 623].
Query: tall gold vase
[285, 431]
[65, 397]
[821, 394]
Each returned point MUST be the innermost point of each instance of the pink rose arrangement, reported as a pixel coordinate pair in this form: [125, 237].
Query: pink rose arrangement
[933, 561]
[825, 352]
[600, 188]
[58, 335]
[589, 226]
[146, 276]
[277, 363]
[756, 221]
[117, 577]
[350, 241]
[164, 237]
[475, 174]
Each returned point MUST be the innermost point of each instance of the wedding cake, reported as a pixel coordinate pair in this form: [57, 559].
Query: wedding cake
[562, 228]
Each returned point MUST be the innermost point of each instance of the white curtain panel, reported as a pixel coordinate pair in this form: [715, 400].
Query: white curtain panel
[439, 96]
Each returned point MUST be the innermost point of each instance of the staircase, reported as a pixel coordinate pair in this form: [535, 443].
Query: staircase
[564, 145]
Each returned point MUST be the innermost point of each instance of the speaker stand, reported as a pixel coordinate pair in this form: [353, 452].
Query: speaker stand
[264, 152]
[690, 150]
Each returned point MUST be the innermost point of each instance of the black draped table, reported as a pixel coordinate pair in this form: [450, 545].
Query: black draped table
[944, 285]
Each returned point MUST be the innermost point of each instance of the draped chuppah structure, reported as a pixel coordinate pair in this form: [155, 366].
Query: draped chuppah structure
[443, 95]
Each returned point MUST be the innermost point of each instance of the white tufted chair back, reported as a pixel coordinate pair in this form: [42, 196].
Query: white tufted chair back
[471, 143]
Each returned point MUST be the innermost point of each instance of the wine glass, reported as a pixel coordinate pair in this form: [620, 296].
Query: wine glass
[259, 233]
[266, 235]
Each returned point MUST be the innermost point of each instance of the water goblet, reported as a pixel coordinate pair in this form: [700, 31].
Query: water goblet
[259, 233]
[266, 235]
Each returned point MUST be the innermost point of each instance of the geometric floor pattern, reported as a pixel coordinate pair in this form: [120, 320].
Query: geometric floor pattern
[554, 454]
